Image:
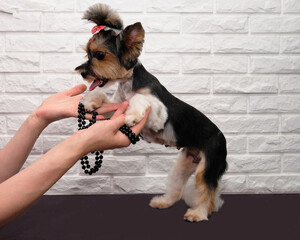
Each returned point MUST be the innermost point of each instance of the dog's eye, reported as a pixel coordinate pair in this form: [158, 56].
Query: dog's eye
[99, 55]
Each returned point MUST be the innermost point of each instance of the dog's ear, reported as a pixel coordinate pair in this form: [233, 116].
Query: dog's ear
[131, 44]
[102, 14]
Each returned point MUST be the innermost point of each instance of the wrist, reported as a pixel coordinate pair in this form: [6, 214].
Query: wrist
[36, 123]
[81, 142]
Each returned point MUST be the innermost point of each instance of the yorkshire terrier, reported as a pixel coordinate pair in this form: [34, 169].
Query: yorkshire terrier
[113, 54]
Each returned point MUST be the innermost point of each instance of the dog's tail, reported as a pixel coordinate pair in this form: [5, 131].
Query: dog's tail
[102, 14]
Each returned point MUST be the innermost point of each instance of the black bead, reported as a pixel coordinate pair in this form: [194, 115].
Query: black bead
[83, 167]
[86, 171]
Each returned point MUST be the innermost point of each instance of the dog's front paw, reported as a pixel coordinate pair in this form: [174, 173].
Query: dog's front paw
[195, 215]
[133, 117]
[161, 202]
[136, 110]
[93, 100]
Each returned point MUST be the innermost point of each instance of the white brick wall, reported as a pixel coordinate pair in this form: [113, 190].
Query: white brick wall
[238, 61]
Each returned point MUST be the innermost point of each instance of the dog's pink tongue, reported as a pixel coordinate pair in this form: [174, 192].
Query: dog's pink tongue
[94, 84]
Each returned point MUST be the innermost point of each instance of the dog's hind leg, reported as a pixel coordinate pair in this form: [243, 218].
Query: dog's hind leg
[203, 202]
[182, 170]
[205, 198]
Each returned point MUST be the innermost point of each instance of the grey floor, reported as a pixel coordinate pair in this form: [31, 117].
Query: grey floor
[119, 217]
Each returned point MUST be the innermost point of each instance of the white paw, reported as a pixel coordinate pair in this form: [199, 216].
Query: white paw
[133, 117]
[136, 110]
[161, 202]
[195, 215]
[93, 100]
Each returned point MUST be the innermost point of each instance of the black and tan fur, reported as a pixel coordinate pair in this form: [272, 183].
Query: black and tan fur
[113, 56]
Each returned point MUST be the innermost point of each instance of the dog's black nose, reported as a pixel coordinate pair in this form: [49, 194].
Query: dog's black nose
[84, 74]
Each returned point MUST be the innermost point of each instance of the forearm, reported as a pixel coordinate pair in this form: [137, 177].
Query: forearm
[24, 188]
[16, 151]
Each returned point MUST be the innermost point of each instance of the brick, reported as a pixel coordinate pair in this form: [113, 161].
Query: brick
[272, 104]
[168, 24]
[214, 64]
[179, 6]
[245, 84]
[81, 41]
[291, 163]
[123, 165]
[62, 63]
[2, 124]
[64, 126]
[15, 122]
[79, 185]
[38, 83]
[233, 184]
[275, 24]
[41, 5]
[236, 144]
[290, 124]
[2, 82]
[262, 104]
[2, 43]
[290, 44]
[145, 148]
[246, 6]
[25, 22]
[178, 43]
[215, 24]
[274, 184]
[161, 164]
[161, 64]
[274, 143]
[186, 83]
[289, 84]
[39, 43]
[291, 6]
[280, 64]
[246, 44]
[254, 163]
[118, 5]
[139, 184]
[213, 104]
[19, 104]
[19, 63]
[247, 124]
[66, 22]
[289, 104]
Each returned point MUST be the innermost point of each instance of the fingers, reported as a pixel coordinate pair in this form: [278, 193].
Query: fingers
[108, 107]
[122, 108]
[138, 127]
[78, 89]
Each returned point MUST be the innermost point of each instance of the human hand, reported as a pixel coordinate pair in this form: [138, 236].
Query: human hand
[105, 135]
[65, 104]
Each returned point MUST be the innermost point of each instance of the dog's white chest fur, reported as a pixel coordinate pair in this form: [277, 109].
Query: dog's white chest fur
[155, 129]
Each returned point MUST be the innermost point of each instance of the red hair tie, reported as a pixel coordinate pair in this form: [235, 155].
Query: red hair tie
[97, 29]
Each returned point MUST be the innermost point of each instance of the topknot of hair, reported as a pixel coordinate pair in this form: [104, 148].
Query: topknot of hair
[102, 14]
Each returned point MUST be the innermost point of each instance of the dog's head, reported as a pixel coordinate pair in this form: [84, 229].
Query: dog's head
[112, 51]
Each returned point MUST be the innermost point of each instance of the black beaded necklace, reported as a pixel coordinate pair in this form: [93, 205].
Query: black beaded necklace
[98, 154]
